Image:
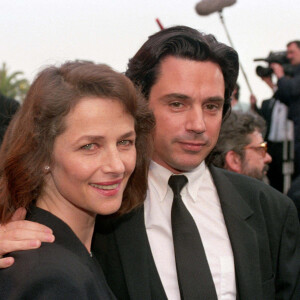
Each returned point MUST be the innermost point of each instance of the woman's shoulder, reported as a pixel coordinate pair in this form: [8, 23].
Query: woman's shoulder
[49, 271]
[48, 257]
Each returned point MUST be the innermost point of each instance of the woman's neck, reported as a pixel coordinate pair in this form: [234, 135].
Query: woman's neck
[80, 221]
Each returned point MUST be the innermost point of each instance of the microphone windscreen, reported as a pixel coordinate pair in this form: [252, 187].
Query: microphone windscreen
[207, 7]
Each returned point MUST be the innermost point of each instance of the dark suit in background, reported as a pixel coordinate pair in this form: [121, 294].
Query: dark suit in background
[8, 108]
[264, 233]
[289, 93]
[275, 149]
[62, 270]
[294, 194]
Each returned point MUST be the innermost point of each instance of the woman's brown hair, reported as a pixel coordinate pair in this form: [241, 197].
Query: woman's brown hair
[28, 143]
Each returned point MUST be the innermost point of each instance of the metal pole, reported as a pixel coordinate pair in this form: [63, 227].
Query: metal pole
[230, 41]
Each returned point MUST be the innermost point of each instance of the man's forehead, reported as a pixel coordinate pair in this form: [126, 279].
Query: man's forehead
[256, 137]
[170, 65]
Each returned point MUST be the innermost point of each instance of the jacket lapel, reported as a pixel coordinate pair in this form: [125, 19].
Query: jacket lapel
[238, 215]
[136, 257]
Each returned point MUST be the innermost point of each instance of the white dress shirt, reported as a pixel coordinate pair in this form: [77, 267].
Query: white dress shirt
[202, 201]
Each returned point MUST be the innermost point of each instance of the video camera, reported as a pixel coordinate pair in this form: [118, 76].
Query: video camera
[274, 57]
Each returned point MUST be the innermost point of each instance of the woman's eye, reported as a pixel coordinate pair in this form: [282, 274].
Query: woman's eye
[125, 142]
[88, 147]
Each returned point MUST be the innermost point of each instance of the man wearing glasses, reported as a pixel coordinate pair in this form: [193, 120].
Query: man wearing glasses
[241, 147]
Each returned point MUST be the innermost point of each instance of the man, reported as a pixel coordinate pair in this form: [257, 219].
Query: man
[279, 135]
[241, 148]
[289, 93]
[249, 231]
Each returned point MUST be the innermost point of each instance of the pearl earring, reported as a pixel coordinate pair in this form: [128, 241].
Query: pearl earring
[47, 168]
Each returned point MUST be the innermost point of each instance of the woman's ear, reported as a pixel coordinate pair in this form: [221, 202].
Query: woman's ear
[233, 162]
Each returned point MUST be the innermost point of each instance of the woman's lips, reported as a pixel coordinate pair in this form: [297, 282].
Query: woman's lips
[107, 188]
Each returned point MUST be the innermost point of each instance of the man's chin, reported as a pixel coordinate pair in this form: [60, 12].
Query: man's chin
[185, 166]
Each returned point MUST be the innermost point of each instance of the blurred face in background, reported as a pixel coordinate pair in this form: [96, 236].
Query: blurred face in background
[256, 158]
[293, 54]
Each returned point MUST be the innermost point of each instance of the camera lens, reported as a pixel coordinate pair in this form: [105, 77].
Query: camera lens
[263, 72]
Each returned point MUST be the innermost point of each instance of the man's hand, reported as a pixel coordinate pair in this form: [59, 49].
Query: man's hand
[269, 82]
[278, 70]
[253, 102]
[19, 234]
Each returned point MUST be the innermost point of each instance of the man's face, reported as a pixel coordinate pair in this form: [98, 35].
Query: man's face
[293, 54]
[187, 100]
[256, 160]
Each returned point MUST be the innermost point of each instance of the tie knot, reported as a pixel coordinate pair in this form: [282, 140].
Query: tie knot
[177, 182]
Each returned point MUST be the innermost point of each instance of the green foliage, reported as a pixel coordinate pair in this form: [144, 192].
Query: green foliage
[13, 85]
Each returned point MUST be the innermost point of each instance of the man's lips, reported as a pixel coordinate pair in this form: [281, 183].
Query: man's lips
[192, 146]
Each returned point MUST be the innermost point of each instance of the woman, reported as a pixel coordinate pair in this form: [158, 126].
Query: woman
[77, 146]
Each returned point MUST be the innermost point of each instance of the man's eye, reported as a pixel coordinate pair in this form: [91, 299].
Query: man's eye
[176, 104]
[212, 106]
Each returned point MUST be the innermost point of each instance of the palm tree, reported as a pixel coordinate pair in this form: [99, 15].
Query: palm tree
[11, 85]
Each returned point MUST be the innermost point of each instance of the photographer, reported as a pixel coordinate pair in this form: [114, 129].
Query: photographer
[279, 131]
[288, 91]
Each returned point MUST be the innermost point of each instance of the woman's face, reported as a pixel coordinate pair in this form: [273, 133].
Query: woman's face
[93, 158]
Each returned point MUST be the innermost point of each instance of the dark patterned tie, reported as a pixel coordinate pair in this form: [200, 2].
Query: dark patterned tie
[194, 277]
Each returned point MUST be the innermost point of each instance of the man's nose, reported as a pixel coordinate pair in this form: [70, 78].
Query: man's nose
[195, 121]
[267, 158]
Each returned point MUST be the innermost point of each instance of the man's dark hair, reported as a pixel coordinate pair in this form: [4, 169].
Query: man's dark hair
[297, 42]
[234, 135]
[237, 93]
[182, 42]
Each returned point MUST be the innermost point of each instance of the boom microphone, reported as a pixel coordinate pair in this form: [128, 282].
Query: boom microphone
[207, 7]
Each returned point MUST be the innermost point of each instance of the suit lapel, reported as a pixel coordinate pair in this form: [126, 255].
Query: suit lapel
[238, 215]
[136, 257]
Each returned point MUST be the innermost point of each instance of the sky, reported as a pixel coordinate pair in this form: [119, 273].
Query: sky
[37, 33]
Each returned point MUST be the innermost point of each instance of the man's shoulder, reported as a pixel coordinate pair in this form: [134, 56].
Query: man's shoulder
[252, 190]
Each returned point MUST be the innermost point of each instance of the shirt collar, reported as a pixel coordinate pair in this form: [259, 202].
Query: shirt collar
[159, 176]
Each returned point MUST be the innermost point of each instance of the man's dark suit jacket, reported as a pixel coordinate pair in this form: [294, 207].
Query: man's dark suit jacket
[264, 232]
[59, 271]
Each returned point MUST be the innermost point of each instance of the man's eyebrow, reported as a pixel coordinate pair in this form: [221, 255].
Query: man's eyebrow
[173, 96]
[215, 98]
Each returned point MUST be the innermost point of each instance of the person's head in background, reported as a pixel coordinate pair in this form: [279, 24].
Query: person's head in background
[188, 78]
[74, 142]
[293, 52]
[240, 147]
